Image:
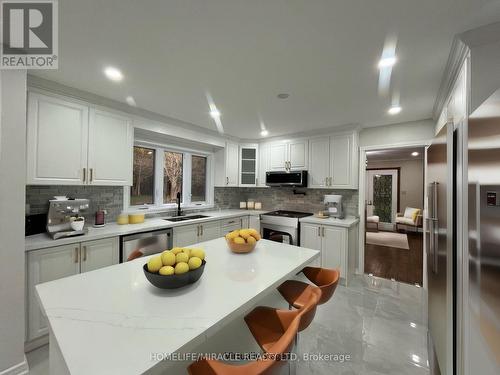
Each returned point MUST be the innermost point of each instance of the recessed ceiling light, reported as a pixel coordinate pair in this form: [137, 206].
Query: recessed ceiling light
[415, 153]
[283, 96]
[394, 110]
[131, 101]
[113, 74]
[215, 113]
[387, 62]
[264, 133]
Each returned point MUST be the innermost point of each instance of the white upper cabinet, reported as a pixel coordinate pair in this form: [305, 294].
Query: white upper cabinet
[227, 165]
[264, 152]
[319, 167]
[343, 169]
[57, 138]
[72, 143]
[278, 156]
[297, 154]
[333, 161]
[110, 143]
[291, 155]
[249, 165]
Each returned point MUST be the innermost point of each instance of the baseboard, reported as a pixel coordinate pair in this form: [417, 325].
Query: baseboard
[36, 343]
[19, 369]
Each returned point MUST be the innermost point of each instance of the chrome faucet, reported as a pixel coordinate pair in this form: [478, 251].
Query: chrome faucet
[179, 211]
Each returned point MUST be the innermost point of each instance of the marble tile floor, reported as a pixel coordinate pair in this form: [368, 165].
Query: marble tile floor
[380, 323]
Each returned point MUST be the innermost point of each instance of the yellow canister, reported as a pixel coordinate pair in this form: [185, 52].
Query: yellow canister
[136, 218]
[122, 219]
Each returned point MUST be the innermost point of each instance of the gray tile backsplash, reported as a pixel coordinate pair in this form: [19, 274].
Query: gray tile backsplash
[109, 198]
[284, 199]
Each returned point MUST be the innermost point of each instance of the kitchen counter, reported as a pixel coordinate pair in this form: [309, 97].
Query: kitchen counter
[43, 240]
[112, 320]
[346, 222]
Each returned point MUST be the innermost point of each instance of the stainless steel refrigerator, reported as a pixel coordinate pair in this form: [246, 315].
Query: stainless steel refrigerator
[482, 323]
[440, 249]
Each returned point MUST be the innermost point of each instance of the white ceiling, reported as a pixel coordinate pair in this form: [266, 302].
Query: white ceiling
[391, 154]
[243, 53]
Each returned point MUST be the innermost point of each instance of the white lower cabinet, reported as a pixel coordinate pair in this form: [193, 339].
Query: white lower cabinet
[337, 245]
[235, 223]
[209, 231]
[62, 261]
[99, 254]
[254, 222]
[187, 235]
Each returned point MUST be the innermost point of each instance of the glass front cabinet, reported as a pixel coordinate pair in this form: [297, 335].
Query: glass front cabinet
[248, 165]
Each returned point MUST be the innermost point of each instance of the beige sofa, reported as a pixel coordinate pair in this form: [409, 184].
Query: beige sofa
[412, 217]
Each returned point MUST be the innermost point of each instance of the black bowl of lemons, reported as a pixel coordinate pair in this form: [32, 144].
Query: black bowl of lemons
[175, 268]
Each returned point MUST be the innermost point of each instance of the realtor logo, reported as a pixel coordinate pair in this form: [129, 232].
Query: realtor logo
[29, 34]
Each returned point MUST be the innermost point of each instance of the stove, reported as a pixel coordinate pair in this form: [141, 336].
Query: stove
[282, 226]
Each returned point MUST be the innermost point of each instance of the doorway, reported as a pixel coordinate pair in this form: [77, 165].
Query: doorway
[393, 213]
[382, 193]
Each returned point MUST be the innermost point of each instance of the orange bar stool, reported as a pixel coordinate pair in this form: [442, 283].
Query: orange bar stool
[297, 293]
[268, 324]
[278, 352]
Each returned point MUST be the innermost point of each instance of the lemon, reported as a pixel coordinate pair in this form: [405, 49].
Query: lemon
[154, 264]
[232, 235]
[244, 233]
[167, 270]
[198, 253]
[186, 251]
[239, 240]
[181, 257]
[176, 250]
[181, 268]
[194, 263]
[251, 240]
[168, 258]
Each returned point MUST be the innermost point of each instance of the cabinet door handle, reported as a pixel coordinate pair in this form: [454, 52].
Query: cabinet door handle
[227, 180]
[256, 181]
[323, 231]
[201, 230]
[91, 174]
[319, 231]
[85, 253]
[198, 231]
[84, 175]
[331, 181]
[76, 255]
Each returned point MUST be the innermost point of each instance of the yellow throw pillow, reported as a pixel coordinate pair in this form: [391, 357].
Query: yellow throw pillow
[414, 215]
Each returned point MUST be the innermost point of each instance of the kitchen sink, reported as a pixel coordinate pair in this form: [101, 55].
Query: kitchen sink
[185, 218]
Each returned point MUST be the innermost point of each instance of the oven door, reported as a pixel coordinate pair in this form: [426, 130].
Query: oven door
[280, 234]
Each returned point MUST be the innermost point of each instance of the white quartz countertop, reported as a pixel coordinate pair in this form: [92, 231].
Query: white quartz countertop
[111, 320]
[43, 240]
[346, 222]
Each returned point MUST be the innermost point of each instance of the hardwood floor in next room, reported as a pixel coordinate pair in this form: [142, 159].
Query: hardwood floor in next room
[394, 263]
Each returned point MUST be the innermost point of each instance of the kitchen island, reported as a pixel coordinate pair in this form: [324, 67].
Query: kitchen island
[112, 320]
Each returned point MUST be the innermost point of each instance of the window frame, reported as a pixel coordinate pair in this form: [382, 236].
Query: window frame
[186, 202]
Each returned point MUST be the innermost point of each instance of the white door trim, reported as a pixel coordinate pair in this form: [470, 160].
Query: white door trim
[362, 188]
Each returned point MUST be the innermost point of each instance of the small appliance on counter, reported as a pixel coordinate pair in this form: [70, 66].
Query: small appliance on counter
[64, 220]
[333, 206]
[100, 218]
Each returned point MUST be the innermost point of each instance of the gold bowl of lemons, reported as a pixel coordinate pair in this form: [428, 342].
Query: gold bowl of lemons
[175, 268]
[242, 240]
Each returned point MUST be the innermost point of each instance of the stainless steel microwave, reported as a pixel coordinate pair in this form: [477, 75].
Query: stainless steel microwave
[295, 178]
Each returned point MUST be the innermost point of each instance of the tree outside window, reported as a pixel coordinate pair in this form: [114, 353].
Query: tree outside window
[142, 191]
[172, 176]
[198, 178]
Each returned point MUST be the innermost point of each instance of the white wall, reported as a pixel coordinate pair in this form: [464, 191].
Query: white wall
[407, 132]
[12, 198]
[411, 181]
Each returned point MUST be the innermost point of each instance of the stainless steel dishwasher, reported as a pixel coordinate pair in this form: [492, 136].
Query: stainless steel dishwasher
[146, 243]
